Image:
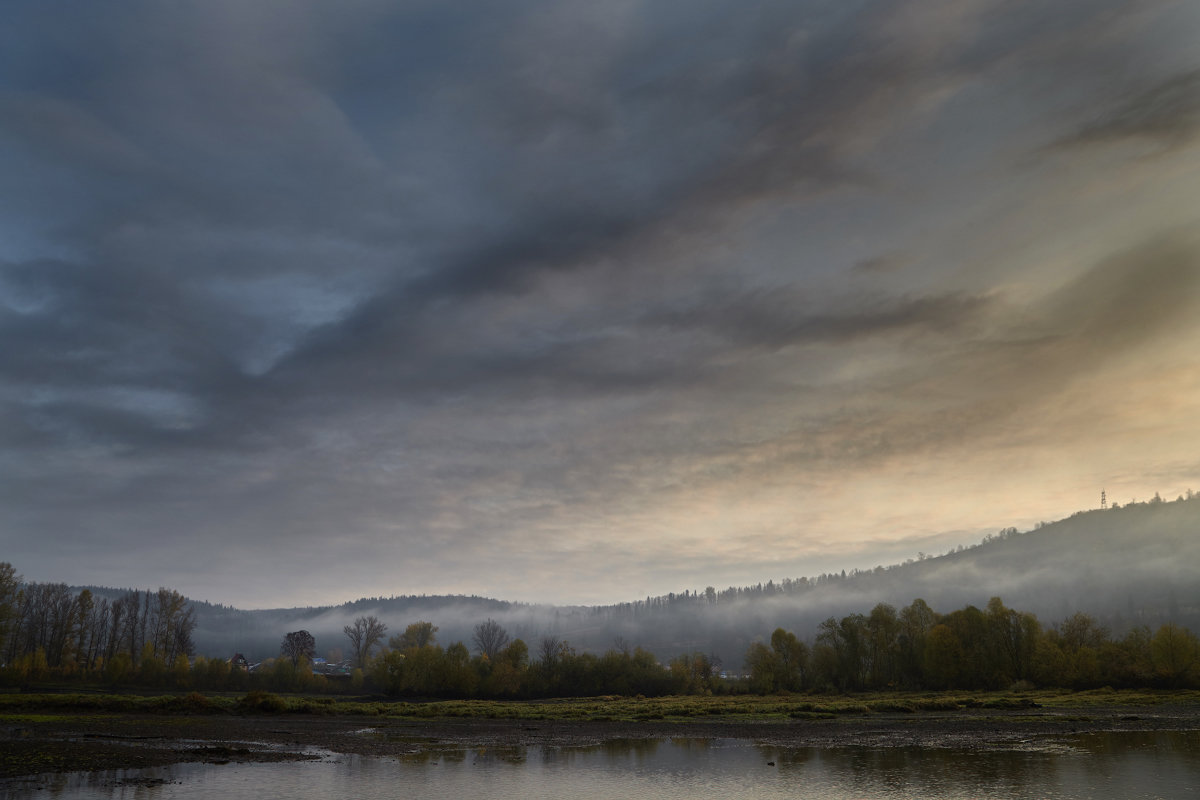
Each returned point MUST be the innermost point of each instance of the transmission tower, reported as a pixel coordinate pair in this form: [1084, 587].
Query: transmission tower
[1103, 499]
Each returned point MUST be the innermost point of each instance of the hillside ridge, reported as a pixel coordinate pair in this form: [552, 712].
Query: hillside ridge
[1138, 564]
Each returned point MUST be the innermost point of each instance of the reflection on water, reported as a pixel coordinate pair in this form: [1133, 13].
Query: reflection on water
[1104, 765]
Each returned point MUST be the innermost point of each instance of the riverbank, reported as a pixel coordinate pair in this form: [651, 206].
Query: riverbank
[55, 734]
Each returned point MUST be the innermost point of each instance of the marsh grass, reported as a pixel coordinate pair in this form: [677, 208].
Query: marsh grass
[18, 708]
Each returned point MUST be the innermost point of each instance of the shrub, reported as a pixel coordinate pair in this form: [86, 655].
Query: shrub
[262, 702]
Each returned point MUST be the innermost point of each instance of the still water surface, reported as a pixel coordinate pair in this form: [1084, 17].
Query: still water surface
[1141, 765]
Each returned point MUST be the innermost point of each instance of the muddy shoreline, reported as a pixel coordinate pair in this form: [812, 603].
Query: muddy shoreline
[127, 741]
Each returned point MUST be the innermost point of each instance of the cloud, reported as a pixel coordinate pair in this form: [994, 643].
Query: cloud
[1166, 114]
[432, 283]
[1134, 296]
[1118, 309]
[778, 318]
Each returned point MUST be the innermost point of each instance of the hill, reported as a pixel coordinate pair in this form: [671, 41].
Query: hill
[1134, 565]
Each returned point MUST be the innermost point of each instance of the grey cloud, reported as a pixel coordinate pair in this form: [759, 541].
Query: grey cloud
[1167, 114]
[1130, 298]
[634, 351]
[62, 132]
[692, 145]
[884, 263]
[989, 367]
[1026, 362]
[429, 274]
[775, 318]
[87, 324]
[688, 140]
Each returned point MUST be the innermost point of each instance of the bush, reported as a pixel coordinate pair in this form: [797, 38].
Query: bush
[262, 702]
[197, 703]
[894, 706]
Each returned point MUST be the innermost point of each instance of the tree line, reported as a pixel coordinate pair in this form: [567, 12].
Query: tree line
[144, 638]
[415, 664]
[913, 648]
[46, 630]
[991, 648]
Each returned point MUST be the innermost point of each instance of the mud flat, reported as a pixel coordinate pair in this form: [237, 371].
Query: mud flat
[34, 744]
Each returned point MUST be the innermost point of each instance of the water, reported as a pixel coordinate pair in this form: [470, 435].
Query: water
[1108, 765]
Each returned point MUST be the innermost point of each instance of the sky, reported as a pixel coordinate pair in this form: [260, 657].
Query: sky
[579, 302]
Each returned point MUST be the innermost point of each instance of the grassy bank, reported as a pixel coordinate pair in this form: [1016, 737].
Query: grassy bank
[743, 708]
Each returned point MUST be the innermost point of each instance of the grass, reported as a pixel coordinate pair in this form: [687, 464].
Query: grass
[18, 708]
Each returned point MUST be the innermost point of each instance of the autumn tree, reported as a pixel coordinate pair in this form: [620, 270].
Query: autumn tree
[692, 673]
[760, 661]
[882, 646]
[1068, 654]
[791, 657]
[962, 657]
[458, 679]
[846, 640]
[1012, 639]
[1175, 653]
[942, 657]
[418, 634]
[780, 667]
[508, 669]
[365, 633]
[1129, 661]
[916, 621]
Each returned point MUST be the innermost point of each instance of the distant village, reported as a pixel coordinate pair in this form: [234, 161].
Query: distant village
[320, 666]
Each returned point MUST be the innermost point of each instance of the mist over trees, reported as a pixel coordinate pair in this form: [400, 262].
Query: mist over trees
[1137, 565]
[915, 647]
[1108, 597]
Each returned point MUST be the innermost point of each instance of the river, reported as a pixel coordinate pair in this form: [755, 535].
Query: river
[1096, 765]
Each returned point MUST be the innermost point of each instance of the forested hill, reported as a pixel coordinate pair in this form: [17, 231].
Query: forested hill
[1134, 565]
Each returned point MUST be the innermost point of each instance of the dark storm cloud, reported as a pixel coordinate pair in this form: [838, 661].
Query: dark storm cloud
[121, 356]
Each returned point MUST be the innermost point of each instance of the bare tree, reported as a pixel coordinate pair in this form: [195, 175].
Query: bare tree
[550, 650]
[298, 644]
[93, 629]
[58, 614]
[172, 621]
[490, 638]
[126, 612]
[365, 633]
[10, 587]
